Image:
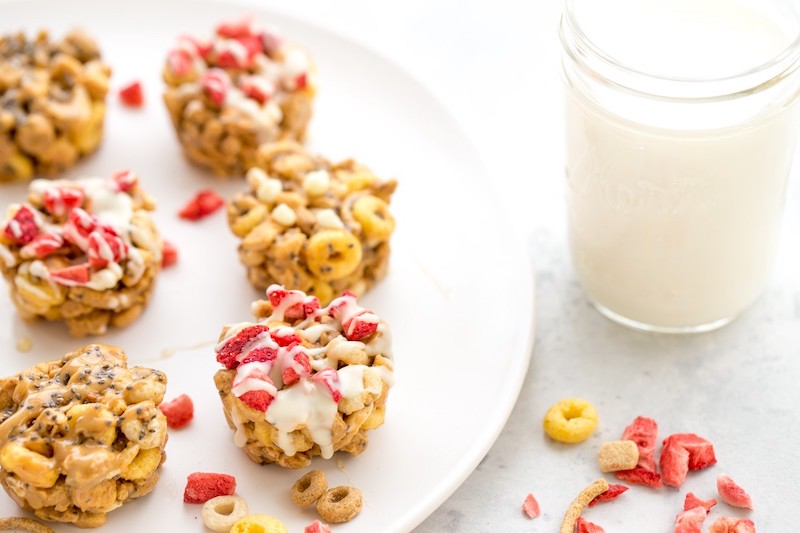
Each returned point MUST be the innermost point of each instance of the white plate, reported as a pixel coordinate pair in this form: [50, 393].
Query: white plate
[459, 294]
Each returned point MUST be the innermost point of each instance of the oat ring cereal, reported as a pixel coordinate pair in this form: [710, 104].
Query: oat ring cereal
[258, 523]
[309, 488]
[340, 504]
[571, 420]
[24, 524]
[222, 512]
[582, 500]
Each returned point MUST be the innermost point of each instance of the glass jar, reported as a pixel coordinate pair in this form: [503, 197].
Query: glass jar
[681, 127]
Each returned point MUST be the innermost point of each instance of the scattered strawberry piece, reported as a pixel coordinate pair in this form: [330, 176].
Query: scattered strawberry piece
[131, 95]
[733, 494]
[125, 180]
[253, 44]
[701, 451]
[42, 245]
[644, 432]
[613, 492]
[291, 374]
[79, 226]
[257, 399]
[204, 203]
[71, 276]
[105, 248]
[640, 476]
[300, 81]
[272, 41]
[178, 411]
[215, 84]
[180, 62]
[23, 226]
[234, 346]
[531, 507]
[194, 46]
[235, 28]
[61, 200]
[310, 305]
[584, 526]
[202, 486]
[317, 527]
[258, 88]
[169, 254]
[726, 524]
[285, 337]
[329, 378]
[693, 501]
[361, 326]
[690, 521]
[674, 462]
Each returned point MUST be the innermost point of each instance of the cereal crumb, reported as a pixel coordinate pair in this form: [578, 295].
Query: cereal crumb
[574, 510]
[571, 420]
[24, 344]
[618, 455]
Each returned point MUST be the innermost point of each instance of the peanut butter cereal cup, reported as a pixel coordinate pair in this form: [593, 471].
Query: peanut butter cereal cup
[81, 436]
[304, 380]
[308, 224]
[52, 103]
[84, 251]
[243, 87]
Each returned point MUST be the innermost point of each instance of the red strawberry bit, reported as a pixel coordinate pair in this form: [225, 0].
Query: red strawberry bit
[300, 81]
[258, 88]
[310, 305]
[644, 432]
[42, 245]
[317, 527]
[71, 276]
[105, 249]
[131, 95]
[194, 46]
[215, 83]
[180, 62]
[253, 44]
[272, 41]
[203, 204]
[726, 524]
[124, 180]
[257, 399]
[690, 521]
[79, 226]
[23, 226]
[701, 451]
[329, 378]
[640, 476]
[613, 492]
[178, 411]
[169, 254]
[235, 28]
[531, 507]
[59, 201]
[361, 326]
[232, 55]
[302, 367]
[693, 501]
[296, 311]
[234, 346]
[674, 463]
[260, 355]
[584, 526]
[202, 486]
[732, 494]
[285, 337]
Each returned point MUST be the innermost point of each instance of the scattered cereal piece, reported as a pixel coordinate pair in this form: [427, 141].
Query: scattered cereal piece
[339, 504]
[683, 452]
[690, 521]
[204, 203]
[618, 455]
[317, 527]
[531, 506]
[131, 95]
[202, 486]
[584, 526]
[733, 494]
[571, 420]
[640, 476]
[726, 524]
[258, 523]
[693, 501]
[178, 411]
[220, 513]
[25, 524]
[613, 492]
[309, 488]
[24, 344]
[169, 255]
[581, 500]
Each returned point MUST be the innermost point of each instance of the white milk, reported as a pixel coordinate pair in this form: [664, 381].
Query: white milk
[673, 223]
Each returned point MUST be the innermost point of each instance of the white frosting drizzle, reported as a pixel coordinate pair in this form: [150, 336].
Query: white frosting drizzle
[8, 258]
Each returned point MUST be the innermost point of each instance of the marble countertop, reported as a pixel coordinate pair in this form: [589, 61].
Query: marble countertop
[494, 65]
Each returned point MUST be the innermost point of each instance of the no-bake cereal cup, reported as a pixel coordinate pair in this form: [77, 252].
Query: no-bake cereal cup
[304, 381]
[312, 225]
[52, 103]
[228, 95]
[84, 251]
[81, 436]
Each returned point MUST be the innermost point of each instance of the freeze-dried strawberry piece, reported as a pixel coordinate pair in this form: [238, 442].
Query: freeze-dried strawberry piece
[693, 501]
[302, 367]
[233, 347]
[329, 378]
[640, 476]
[215, 83]
[690, 521]
[79, 226]
[733, 494]
[674, 462]
[131, 95]
[204, 203]
[179, 62]
[202, 486]
[257, 399]
[317, 527]
[253, 44]
[644, 432]
[613, 492]
[361, 326]
[23, 226]
[301, 81]
[531, 507]
[701, 451]
[61, 200]
[584, 526]
[726, 524]
[169, 254]
[124, 180]
[42, 245]
[104, 249]
[285, 337]
[235, 28]
[178, 411]
[71, 276]
[258, 88]
[272, 41]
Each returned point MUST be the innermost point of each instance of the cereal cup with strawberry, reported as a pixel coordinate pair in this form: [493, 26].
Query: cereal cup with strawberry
[244, 86]
[304, 380]
[83, 251]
